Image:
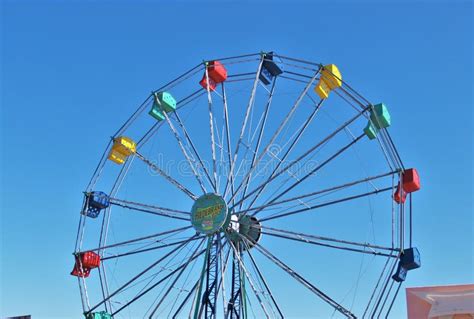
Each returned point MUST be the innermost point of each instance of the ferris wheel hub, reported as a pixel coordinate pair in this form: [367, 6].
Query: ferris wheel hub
[250, 229]
[209, 213]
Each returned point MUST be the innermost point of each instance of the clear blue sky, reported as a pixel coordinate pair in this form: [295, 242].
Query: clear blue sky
[72, 71]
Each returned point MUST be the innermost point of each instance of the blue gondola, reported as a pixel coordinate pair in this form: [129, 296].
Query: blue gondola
[95, 202]
[409, 260]
[270, 69]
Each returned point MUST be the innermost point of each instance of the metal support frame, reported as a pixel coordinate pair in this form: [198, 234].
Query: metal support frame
[209, 298]
[236, 305]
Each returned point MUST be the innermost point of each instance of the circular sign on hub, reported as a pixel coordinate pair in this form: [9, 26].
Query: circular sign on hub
[209, 213]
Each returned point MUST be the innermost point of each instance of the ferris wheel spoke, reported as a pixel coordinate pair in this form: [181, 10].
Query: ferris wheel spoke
[224, 153]
[383, 289]
[249, 277]
[262, 278]
[393, 299]
[138, 251]
[121, 288]
[114, 200]
[319, 192]
[166, 176]
[211, 128]
[244, 126]
[387, 295]
[301, 157]
[365, 248]
[154, 210]
[252, 134]
[131, 241]
[317, 168]
[278, 131]
[188, 138]
[282, 160]
[304, 281]
[288, 151]
[260, 135]
[168, 266]
[230, 179]
[185, 153]
[337, 201]
[186, 300]
[195, 255]
[379, 281]
[174, 282]
[293, 175]
[295, 138]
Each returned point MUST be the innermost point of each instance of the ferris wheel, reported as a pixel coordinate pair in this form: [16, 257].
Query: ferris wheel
[253, 186]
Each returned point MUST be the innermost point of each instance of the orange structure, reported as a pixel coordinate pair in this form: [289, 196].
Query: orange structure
[441, 302]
